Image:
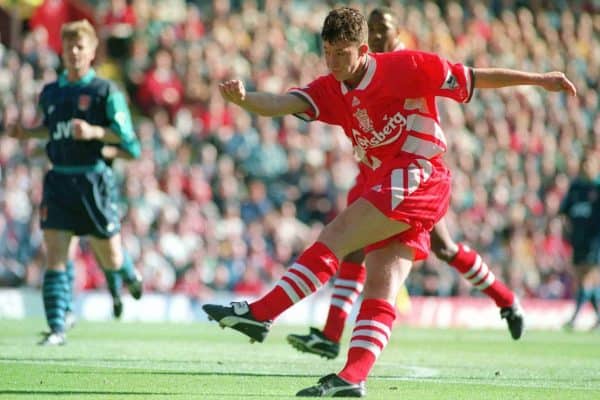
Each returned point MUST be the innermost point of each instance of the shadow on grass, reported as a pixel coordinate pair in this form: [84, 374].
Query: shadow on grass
[192, 373]
[483, 380]
[108, 393]
[80, 392]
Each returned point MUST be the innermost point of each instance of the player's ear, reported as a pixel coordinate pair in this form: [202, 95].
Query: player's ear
[363, 49]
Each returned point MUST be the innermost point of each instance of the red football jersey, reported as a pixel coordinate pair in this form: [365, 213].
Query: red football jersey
[391, 113]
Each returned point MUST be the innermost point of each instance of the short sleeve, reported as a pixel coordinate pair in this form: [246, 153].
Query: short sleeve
[431, 75]
[318, 94]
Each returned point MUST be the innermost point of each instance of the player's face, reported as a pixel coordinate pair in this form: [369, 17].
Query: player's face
[383, 33]
[78, 54]
[343, 59]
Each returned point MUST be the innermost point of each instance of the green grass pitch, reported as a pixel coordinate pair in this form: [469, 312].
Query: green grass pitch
[201, 361]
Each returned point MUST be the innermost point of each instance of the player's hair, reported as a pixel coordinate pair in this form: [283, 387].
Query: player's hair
[383, 11]
[77, 29]
[345, 24]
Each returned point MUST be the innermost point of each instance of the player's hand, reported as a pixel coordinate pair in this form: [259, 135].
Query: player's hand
[233, 91]
[558, 82]
[82, 130]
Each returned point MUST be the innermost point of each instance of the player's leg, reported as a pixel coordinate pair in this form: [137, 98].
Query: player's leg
[100, 199]
[357, 226]
[387, 269]
[55, 287]
[472, 267]
[70, 319]
[118, 268]
[347, 286]
[586, 282]
[595, 298]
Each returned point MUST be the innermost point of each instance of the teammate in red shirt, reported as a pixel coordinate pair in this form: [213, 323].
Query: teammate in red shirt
[407, 185]
[348, 284]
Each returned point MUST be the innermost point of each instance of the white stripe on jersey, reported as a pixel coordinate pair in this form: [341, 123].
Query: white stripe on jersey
[402, 185]
[426, 125]
[305, 96]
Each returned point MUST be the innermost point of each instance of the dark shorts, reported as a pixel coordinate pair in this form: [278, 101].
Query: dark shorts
[85, 204]
[587, 253]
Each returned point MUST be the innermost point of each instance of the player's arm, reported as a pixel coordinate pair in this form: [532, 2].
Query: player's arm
[492, 78]
[261, 103]
[111, 152]
[119, 133]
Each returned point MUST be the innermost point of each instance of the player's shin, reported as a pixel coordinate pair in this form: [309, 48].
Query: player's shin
[347, 287]
[370, 336]
[55, 293]
[70, 270]
[313, 268]
[472, 267]
[114, 282]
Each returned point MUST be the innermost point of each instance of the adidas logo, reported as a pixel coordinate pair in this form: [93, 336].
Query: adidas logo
[355, 101]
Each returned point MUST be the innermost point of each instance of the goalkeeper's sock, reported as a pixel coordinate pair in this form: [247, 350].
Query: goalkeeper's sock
[370, 336]
[475, 270]
[313, 268]
[347, 286]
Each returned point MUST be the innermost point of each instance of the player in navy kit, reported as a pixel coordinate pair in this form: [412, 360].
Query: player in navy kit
[581, 209]
[87, 122]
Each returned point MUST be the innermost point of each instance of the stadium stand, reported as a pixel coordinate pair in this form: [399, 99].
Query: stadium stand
[221, 201]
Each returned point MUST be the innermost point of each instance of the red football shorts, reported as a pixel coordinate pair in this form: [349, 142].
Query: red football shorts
[417, 194]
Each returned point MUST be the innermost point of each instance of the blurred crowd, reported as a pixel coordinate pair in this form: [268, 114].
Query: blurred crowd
[221, 200]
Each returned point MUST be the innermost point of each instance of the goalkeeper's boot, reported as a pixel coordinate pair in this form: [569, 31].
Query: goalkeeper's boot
[238, 317]
[514, 319]
[316, 343]
[334, 386]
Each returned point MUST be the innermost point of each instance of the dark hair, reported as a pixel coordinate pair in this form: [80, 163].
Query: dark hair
[383, 11]
[345, 24]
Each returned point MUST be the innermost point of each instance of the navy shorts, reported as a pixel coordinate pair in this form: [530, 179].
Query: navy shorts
[83, 203]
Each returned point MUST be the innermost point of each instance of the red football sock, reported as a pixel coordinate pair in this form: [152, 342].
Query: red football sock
[370, 335]
[476, 271]
[313, 268]
[346, 288]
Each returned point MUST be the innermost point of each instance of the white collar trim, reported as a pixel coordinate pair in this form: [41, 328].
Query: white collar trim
[366, 79]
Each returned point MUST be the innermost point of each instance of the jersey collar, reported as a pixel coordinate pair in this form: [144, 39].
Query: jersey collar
[366, 79]
[87, 78]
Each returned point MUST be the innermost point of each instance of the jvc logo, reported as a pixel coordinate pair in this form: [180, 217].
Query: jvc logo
[63, 130]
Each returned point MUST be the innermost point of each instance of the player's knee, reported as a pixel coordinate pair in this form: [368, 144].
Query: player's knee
[443, 251]
[356, 257]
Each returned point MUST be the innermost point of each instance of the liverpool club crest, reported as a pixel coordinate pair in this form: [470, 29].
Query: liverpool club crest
[366, 125]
